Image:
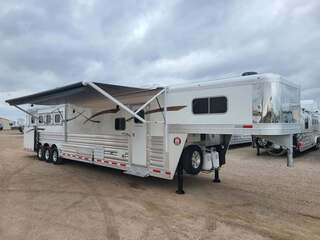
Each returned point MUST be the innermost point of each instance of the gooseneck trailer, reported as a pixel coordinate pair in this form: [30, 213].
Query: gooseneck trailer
[159, 132]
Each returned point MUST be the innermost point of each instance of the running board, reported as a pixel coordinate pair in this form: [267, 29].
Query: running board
[138, 171]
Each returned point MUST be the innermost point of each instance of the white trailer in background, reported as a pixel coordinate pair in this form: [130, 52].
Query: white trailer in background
[307, 138]
[158, 132]
[310, 105]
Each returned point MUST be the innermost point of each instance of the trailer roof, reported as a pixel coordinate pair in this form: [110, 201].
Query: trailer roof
[81, 94]
[234, 81]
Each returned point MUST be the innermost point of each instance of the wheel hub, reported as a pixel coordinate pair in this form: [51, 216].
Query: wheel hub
[40, 153]
[47, 154]
[54, 156]
[196, 159]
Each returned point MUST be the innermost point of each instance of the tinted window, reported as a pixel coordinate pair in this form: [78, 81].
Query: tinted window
[120, 124]
[40, 119]
[200, 105]
[48, 119]
[57, 118]
[306, 124]
[218, 105]
[141, 114]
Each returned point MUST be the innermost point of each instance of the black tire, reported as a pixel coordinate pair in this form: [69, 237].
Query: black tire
[40, 153]
[317, 146]
[55, 158]
[276, 152]
[192, 159]
[46, 154]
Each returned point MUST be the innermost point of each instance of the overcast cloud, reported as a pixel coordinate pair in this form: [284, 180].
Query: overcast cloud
[49, 43]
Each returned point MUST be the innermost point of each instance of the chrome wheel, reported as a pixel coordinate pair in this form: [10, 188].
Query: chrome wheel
[192, 159]
[47, 154]
[55, 156]
[196, 159]
[40, 153]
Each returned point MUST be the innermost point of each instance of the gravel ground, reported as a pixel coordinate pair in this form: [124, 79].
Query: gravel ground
[259, 198]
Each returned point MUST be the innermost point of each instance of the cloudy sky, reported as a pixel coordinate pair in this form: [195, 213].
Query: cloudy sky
[49, 43]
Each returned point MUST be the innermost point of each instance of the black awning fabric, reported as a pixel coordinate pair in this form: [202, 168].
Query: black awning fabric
[81, 94]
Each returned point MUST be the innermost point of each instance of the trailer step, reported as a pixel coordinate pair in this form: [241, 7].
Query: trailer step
[138, 171]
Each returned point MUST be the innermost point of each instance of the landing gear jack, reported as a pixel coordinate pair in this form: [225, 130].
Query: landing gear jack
[258, 150]
[216, 176]
[257, 147]
[180, 179]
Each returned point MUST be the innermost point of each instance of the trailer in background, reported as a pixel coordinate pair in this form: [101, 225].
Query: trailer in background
[159, 132]
[307, 138]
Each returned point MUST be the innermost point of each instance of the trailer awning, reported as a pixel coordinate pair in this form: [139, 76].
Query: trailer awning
[83, 95]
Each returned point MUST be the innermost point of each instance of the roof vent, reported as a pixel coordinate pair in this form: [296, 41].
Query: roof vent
[248, 73]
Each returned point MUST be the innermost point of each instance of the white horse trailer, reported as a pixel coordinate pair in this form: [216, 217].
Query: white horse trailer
[307, 138]
[162, 131]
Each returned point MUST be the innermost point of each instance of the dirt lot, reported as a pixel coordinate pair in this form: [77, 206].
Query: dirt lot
[259, 198]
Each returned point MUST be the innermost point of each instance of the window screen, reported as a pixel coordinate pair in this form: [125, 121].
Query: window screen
[48, 119]
[120, 124]
[57, 118]
[200, 105]
[141, 114]
[40, 119]
[218, 105]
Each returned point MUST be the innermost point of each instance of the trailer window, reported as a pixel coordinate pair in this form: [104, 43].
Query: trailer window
[57, 118]
[40, 119]
[306, 124]
[32, 120]
[141, 114]
[48, 119]
[218, 105]
[120, 124]
[200, 105]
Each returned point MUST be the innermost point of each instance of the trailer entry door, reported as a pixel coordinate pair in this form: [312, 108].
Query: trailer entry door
[139, 142]
[30, 139]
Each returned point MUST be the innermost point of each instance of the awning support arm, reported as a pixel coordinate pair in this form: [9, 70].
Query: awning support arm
[149, 101]
[25, 111]
[159, 105]
[107, 95]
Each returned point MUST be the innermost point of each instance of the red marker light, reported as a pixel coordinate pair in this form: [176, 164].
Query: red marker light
[177, 141]
[247, 126]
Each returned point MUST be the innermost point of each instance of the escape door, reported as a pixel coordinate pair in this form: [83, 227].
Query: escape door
[139, 142]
